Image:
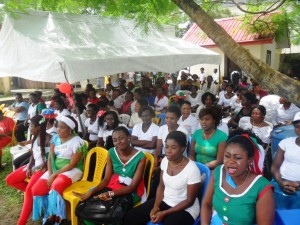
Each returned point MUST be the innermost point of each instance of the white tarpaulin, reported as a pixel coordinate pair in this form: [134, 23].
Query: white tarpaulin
[54, 47]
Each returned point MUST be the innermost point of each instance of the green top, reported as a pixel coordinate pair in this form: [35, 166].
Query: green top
[237, 209]
[127, 171]
[207, 150]
[64, 152]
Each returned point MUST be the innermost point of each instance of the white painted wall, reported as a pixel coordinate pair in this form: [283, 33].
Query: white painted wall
[259, 51]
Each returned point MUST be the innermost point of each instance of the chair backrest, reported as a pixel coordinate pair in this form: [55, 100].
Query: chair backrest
[204, 170]
[13, 136]
[148, 171]
[124, 118]
[9, 113]
[101, 159]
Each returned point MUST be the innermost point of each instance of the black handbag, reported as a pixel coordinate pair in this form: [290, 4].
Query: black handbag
[104, 212]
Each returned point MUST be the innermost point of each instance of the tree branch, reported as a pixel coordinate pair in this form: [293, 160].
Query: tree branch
[268, 10]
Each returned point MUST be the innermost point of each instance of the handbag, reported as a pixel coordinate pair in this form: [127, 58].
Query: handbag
[104, 212]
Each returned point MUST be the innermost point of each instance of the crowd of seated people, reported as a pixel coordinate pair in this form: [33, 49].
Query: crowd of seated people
[196, 107]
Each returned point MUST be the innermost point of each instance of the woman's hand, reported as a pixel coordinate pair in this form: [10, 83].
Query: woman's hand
[103, 196]
[23, 143]
[153, 212]
[83, 197]
[51, 179]
[158, 217]
[28, 172]
[289, 187]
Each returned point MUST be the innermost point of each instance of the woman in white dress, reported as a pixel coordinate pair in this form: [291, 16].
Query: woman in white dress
[257, 125]
[144, 135]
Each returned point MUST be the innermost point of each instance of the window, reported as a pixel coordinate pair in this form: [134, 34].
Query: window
[268, 58]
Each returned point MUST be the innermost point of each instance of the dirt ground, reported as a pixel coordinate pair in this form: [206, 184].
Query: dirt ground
[9, 215]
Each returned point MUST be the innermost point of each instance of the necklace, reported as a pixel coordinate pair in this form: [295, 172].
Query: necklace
[206, 137]
[244, 180]
[178, 164]
[253, 123]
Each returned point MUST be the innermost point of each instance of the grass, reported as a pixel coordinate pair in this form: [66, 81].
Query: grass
[11, 200]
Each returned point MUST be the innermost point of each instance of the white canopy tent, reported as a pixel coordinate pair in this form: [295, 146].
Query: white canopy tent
[55, 47]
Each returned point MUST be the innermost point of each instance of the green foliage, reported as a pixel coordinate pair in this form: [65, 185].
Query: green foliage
[157, 12]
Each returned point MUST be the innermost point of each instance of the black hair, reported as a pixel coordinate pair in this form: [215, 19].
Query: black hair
[60, 102]
[93, 106]
[237, 138]
[177, 136]
[78, 103]
[129, 92]
[38, 121]
[205, 95]
[261, 108]
[118, 90]
[147, 108]
[32, 94]
[19, 94]
[143, 102]
[1, 112]
[101, 119]
[89, 86]
[215, 112]
[102, 104]
[138, 91]
[230, 85]
[185, 103]
[250, 97]
[122, 129]
[174, 109]
[83, 96]
[196, 87]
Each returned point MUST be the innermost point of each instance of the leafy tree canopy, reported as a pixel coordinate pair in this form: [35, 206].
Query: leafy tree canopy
[166, 12]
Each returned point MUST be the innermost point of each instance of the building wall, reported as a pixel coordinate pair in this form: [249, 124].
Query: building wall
[259, 51]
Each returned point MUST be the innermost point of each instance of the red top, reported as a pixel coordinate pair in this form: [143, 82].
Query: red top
[93, 100]
[126, 107]
[6, 125]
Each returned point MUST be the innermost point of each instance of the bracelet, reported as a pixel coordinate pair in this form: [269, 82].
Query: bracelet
[111, 194]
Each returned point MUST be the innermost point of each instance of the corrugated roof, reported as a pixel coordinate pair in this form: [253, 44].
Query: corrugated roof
[234, 27]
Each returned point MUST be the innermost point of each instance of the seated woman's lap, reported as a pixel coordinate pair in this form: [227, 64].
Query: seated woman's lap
[141, 215]
[60, 183]
[17, 178]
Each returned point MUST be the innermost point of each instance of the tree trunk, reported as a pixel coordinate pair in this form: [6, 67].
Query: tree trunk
[269, 78]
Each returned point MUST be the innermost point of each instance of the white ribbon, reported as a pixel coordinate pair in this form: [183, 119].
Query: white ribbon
[70, 123]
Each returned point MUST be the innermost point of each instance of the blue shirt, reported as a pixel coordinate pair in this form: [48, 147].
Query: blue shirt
[21, 115]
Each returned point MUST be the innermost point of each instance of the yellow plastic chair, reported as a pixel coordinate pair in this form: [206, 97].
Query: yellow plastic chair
[147, 173]
[9, 113]
[84, 185]
[13, 137]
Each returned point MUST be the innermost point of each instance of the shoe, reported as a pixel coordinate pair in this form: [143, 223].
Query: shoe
[49, 222]
[65, 222]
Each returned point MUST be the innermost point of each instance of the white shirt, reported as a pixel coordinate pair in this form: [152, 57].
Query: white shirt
[227, 101]
[195, 101]
[132, 106]
[264, 133]
[31, 111]
[118, 102]
[290, 166]
[134, 119]
[202, 77]
[163, 132]
[270, 102]
[176, 186]
[161, 103]
[282, 115]
[92, 129]
[104, 133]
[147, 136]
[215, 77]
[190, 124]
[213, 88]
[83, 119]
[59, 114]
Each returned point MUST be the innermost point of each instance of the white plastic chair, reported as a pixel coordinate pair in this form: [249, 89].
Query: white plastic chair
[124, 118]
